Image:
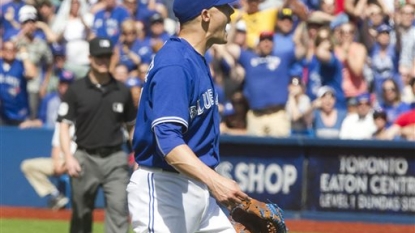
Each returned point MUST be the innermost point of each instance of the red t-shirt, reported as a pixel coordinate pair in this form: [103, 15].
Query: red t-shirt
[407, 118]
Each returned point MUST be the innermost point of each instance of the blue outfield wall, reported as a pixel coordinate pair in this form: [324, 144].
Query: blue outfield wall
[310, 178]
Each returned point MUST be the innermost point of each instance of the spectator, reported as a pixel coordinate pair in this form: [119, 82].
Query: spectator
[407, 30]
[359, 125]
[265, 86]
[403, 126]
[135, 86]
[100, 106]
[325, 69]
[39, 54]
[297, 105]
[38, 170]
[353, 57]
[391, 100]
[256, 20]
[73, 28]
[408, 95]
[326, 119]
[14, 73]
[381, 122]
[9, 17]
[48, 111]
[121, 73]
[234, 115]
[384, 60]
[128, 47]
[107, 22]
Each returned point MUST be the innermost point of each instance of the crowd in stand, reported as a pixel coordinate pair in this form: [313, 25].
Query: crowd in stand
[346, 70]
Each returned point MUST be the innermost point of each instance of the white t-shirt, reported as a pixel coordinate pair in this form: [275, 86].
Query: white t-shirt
[355, 128]
[56, 141]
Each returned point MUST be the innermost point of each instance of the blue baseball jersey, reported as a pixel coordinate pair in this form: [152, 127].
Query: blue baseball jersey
[13, 93]
[48, 110]
[12, 8]
[266, 78]
[178, 89]
[108, 23]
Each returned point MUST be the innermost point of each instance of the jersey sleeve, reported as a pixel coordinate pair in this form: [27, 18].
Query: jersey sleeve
[66, 110]
[169, 94]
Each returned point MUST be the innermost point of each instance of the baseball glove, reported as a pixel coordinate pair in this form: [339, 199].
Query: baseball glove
[254, 216]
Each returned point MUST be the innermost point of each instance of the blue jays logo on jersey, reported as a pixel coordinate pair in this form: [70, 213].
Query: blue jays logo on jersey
[272, 62]
[204, 103]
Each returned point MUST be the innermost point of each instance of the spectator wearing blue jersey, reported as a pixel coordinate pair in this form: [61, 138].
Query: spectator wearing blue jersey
[107, 22]
[266, 86]
[384, 60]
[9, 18]
[135, 86]
[326, 118]
[391, 101]
[14, 73]
[39, 53]
[128, 56]
[48, 111]
[325, 69]
[176, 138]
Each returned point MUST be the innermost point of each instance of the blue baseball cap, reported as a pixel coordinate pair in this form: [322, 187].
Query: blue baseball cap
[364, 97]
[66, 76]
[383, 28]
[185, 10]
[339, 20]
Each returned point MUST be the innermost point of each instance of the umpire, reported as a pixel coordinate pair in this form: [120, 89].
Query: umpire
[98, 106]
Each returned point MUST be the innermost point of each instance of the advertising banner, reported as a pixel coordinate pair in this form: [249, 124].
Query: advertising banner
[375, 182]
[277, 178]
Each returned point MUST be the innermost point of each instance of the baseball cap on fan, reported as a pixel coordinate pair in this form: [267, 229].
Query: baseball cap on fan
[186, 10]
[100, 47]
[27, 13]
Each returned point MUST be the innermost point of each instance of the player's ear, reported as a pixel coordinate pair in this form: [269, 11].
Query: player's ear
[205, 15]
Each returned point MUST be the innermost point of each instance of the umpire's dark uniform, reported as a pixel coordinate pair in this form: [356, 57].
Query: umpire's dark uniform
[98, 113]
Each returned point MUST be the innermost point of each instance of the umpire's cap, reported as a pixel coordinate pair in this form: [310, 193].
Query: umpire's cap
[186, 10]
[100, 47]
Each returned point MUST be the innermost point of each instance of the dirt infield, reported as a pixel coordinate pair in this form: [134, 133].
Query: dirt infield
[305, 226]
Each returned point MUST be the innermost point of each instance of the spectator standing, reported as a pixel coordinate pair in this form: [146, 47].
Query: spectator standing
[9, 18]
[107, 22]
[353, 56]
[406, 29]
[39, 54]
[359, 125]
[98, 106]
[325, 69]
[14, 73]
[384, 60]
[73, 28]
[265, 86]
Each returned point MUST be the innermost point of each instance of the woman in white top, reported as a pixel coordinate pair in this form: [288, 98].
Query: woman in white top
[72, 25]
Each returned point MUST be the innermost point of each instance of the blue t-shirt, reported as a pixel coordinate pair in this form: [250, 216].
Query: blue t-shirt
[323, 131]
[326, 74]
[392, 112]
[144, 50]
[14, 7]
[48, 111]
[266, 78]
[107, 24]
[178, 89]
[13, 92]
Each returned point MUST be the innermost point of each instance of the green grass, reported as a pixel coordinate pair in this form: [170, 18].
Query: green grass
[40, 226]
[44, 226]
